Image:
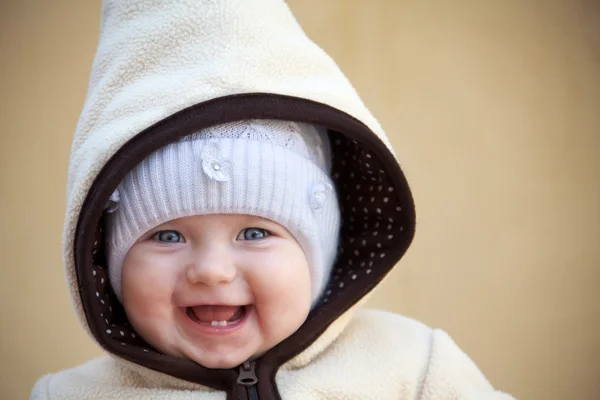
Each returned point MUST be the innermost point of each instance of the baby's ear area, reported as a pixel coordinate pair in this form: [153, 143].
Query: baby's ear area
[377, 218]
[106, 311]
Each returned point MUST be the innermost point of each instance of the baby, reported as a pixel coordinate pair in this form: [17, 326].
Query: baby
[231, 202]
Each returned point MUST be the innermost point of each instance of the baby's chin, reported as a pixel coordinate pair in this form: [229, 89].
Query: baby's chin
[219, 361]
[213, 359]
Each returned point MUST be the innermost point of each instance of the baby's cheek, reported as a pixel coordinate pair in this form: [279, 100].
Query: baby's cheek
[281, 280]
[147, 290]
[285, 285]
[147, 303]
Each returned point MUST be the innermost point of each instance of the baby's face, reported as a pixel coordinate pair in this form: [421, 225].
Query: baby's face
[217, 289]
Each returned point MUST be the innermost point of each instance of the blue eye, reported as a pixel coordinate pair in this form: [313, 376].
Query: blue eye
[253, 234]
[168, 237]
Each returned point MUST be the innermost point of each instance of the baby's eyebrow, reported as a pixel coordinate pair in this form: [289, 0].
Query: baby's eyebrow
[265, 221]
[254, 221]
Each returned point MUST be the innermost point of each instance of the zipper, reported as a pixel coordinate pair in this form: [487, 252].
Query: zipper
[248, 378]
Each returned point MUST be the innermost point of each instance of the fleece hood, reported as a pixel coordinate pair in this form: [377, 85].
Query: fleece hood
[165, 69]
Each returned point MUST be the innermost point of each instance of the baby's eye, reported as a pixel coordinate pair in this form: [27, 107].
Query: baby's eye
[252, 234]
[168, 237]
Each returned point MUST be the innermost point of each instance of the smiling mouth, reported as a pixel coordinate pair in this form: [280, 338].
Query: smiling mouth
[217, 316]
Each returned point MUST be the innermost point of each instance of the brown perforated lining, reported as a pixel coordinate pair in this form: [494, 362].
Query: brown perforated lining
[377, 227]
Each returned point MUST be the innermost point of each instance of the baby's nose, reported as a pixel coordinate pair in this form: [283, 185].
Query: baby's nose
[211, 268]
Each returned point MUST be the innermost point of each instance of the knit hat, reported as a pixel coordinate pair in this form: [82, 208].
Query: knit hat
[278, 170]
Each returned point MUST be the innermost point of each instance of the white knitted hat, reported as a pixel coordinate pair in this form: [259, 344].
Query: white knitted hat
[278, 170]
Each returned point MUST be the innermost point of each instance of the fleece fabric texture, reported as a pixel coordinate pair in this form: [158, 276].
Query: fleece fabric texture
[378, 356]
[158, 58]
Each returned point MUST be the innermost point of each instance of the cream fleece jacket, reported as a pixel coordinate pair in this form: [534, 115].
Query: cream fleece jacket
[378, 356]
[165, 69]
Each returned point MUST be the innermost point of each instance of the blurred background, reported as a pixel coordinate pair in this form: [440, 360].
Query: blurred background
[494, 109]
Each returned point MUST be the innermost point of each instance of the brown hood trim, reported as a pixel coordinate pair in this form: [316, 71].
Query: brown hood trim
[185, 122]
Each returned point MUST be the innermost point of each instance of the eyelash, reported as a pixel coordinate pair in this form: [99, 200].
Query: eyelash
[181, 239]
[156, 236]
[264, 231]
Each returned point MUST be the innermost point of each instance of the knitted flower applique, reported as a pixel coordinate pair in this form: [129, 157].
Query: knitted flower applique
[318, 195]
[113, 202]
[213, 165]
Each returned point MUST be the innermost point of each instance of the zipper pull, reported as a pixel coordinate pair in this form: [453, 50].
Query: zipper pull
[247, 375]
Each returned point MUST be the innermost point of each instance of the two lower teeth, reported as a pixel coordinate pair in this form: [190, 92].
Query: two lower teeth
[233, 320]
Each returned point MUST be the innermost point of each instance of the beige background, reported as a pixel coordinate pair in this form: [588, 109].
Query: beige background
[494, 108]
